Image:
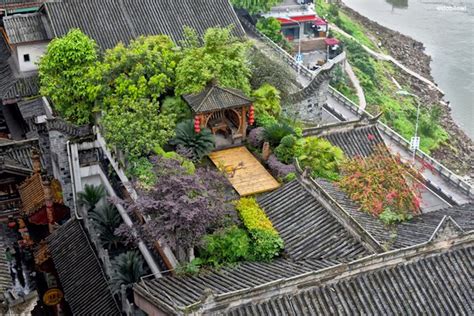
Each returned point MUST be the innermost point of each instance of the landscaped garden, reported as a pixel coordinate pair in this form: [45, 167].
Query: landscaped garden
[134, 93]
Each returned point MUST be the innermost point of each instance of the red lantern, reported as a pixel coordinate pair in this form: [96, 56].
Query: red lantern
[251, 115]
[12, 225]
[197, 124]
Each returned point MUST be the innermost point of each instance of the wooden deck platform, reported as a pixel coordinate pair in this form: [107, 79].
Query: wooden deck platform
[244, 171]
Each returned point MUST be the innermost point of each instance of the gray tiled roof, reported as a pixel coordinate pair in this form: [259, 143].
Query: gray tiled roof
[359, 141]
[439, 284]
[183, 291]
[31, 108]
[22, 28]
[416, 231]
[20, 152]
[307, 228]
[83, 281]
[214, 97]
[23, 87]
[112, 21]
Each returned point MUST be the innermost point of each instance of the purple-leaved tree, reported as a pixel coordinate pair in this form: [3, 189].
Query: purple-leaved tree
[182, 207]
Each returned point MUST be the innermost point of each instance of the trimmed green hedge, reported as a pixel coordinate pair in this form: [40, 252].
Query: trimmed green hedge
[267, 244]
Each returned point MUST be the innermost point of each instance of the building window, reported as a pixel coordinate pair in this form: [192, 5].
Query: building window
[26, 58]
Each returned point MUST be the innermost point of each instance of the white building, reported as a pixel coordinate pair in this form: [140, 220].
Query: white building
[27, 35]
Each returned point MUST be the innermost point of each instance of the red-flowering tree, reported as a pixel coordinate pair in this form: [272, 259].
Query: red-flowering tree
[181, 207]
[382, 185]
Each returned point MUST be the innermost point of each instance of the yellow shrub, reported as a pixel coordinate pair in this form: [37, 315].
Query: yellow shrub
[253, 216]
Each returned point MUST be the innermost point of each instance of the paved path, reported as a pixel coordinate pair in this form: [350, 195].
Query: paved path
[356, 85]
[385, 57]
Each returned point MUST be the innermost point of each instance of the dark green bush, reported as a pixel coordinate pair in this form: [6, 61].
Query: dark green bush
[289, 148]
[274, 133]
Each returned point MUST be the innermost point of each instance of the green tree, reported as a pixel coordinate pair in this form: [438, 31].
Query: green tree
[255, 6]
[271, 27]
[63, 71]
[267, 100]
[137, 126]
[221, 56]
[106, 219]
[129, 83]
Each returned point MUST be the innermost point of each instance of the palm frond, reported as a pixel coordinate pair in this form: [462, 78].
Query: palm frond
[91, 196]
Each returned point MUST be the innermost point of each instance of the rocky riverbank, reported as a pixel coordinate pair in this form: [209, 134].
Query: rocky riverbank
[458, 152]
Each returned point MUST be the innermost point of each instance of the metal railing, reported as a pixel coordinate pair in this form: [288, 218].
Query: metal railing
[444, 172]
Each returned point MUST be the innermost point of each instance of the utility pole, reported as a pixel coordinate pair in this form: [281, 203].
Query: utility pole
[415, 140]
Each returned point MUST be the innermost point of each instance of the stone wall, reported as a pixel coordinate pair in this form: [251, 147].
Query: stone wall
[307, 104]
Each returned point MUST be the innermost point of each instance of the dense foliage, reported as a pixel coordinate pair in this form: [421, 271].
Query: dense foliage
[290, 147]
[222, 56]
[265, 120]
[267, 101]
[176, 106]
[225, 246]
[275, 132]
[63, 70]
[129, 82]
[194, 145]
[383, 186]
[255, 6]
[279, 169]
[256, 137]
[181, 207]
[273, 72]
[321, 157]
[91, 195]
[267, 244]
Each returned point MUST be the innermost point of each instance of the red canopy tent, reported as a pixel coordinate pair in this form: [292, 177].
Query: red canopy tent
[331, 41]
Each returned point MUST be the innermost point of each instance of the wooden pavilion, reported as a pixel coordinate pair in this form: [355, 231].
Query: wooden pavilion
[224, 111]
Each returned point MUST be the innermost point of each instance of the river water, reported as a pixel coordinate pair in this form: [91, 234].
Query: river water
[446, 28]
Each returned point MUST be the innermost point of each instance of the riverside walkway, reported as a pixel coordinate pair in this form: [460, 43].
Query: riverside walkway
[448, 186]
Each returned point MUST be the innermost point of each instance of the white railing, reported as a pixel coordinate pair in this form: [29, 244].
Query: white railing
[290, 60]
[445, 173]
